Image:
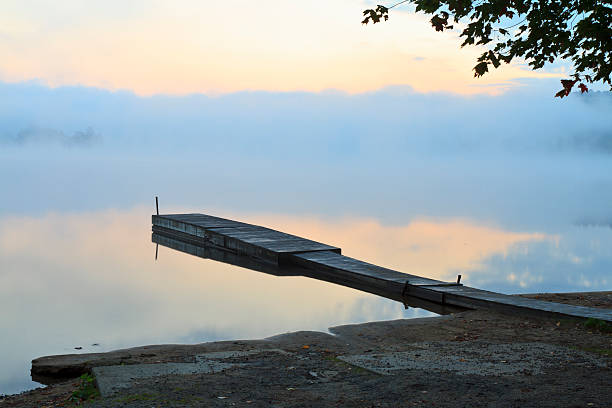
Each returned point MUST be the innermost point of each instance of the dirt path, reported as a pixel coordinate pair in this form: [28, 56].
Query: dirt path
[469, 359]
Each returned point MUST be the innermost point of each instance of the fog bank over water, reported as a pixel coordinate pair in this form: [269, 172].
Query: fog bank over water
[329, 125]
[521, 160]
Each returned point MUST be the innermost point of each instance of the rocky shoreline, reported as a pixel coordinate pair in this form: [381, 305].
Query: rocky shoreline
[469, 359]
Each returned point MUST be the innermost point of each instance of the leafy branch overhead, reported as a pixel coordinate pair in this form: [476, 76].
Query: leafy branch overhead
[539, 31]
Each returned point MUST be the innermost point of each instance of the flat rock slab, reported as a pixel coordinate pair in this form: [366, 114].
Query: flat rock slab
[111, 379]
[476, 358]
[51, 369]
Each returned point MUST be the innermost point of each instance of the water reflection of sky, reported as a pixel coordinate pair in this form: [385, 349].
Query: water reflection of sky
[576, 259]
[77, 279]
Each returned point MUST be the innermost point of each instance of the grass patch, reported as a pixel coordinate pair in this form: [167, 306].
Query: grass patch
[86, 390]
[599, 325]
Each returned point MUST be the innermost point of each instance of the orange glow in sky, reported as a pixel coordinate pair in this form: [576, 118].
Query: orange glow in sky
[212, 47]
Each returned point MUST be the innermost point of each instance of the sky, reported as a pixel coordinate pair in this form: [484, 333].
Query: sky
[195, 46]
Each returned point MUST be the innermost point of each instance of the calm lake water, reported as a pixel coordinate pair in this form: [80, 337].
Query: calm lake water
[523, 204]
[78, 279]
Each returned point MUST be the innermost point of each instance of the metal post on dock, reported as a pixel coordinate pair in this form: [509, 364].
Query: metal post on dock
[157, 205]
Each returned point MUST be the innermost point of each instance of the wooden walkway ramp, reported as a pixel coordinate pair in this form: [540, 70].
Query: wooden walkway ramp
[271, 251]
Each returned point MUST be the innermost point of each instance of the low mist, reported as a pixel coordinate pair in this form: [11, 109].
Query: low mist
[521, 159]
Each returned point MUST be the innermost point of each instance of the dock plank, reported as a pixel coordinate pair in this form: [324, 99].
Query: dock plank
[246, 239]
[340, 262]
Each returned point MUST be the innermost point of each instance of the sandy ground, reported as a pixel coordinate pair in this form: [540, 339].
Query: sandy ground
[469, 359]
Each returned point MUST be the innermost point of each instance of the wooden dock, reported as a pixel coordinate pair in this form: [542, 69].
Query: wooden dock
[275, 252]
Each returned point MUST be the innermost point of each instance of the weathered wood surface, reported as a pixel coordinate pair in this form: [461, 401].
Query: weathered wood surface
[296, 255]
[246, 239]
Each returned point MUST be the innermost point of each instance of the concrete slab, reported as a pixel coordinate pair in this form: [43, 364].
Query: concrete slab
[475, 358]
[111, 379]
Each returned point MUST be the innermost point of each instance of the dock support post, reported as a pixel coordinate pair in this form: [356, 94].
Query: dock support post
[156, 205]
[458, 279]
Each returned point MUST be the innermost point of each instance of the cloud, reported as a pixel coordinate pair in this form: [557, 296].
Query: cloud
[579, 259]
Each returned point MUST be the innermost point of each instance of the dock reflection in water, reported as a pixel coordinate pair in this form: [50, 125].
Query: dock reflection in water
[229, 257]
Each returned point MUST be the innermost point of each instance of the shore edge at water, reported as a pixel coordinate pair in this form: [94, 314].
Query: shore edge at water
[466, 359]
